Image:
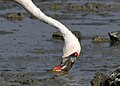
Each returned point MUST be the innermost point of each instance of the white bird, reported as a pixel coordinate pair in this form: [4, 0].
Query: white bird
[72, 46]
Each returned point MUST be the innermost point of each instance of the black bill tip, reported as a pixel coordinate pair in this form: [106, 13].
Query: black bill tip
[67, 63]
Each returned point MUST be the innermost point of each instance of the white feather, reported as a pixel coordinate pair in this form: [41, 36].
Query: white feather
[71, 42]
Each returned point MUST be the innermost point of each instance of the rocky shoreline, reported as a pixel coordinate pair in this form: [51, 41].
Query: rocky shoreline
[104, 80]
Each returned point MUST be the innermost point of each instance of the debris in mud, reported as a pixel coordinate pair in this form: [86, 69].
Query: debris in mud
[58, 35]
[100, 9]
[104, 80]
[3, 32]
[89, 6]
[56, 6]
[13, 16]
[114, 36]
[97, 39]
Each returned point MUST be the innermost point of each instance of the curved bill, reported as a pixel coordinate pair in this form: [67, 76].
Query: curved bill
[67, 63]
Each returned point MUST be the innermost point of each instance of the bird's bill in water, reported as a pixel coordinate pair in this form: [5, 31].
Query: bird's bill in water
[65, 65]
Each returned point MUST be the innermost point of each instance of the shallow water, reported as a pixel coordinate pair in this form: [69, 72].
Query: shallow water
[29, 47]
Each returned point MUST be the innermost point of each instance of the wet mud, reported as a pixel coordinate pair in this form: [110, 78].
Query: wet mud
[29, 47]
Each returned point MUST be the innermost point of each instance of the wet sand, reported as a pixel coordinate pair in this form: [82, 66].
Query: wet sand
[27, 49]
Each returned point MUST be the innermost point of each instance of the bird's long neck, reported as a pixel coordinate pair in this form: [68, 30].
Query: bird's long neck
[34, 10]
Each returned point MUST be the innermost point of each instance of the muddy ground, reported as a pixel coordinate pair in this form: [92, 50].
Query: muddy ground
[27, 49]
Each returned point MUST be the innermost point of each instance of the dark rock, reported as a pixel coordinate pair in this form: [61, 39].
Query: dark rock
[102, 80]
[114, 36]
[113, 79]
[98, 80]
[58, 35]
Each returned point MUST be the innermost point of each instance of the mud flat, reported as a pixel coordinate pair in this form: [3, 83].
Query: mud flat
[27, 48]
[28, 79]
[17, 79]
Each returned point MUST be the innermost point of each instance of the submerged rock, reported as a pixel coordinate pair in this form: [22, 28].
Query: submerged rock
[13, 16]
[58, 35]
[104, 80]
[114, 36]
[3, 32]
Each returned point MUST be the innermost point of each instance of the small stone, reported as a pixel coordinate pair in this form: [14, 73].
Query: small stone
[114, 36]
[58, 35]
[13, 16]
[97, 39]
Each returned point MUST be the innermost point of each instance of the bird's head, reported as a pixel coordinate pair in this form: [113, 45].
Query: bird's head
[71, 51]
[72, 46]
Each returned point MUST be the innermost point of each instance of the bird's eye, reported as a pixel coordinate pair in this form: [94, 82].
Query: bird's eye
[75, 54]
